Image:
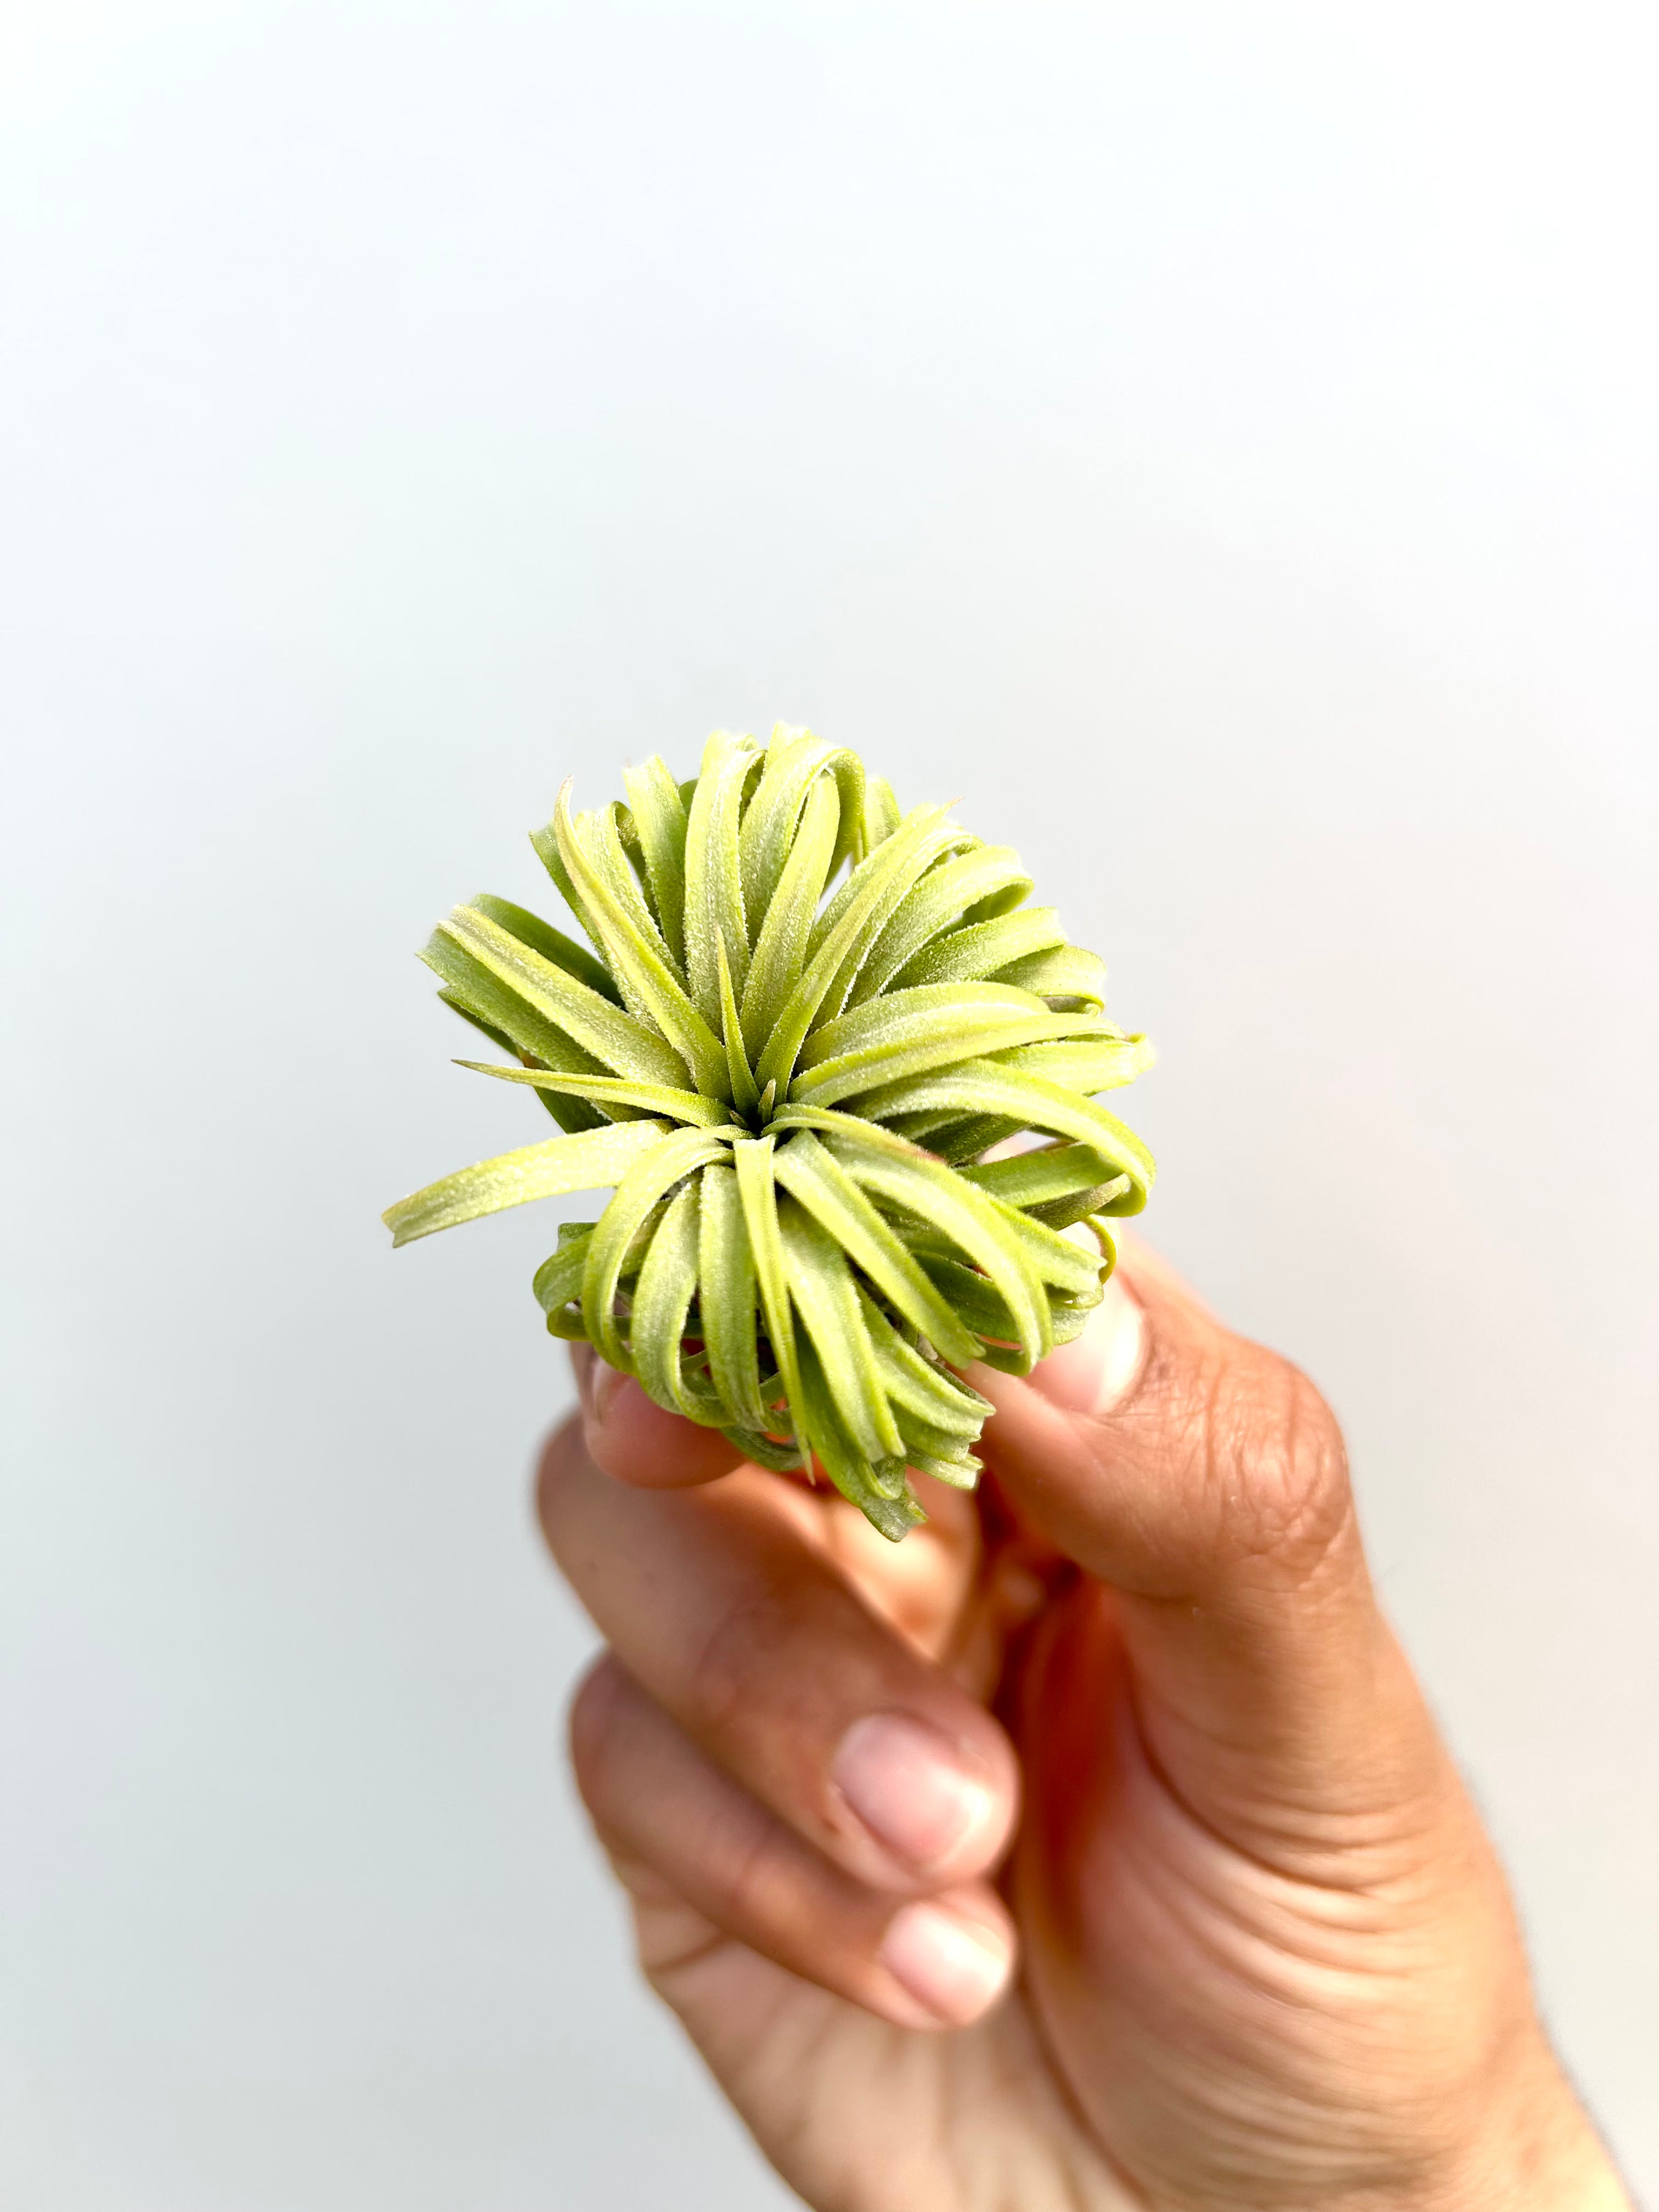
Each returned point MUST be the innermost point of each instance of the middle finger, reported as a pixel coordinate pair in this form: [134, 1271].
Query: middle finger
[766, 1656]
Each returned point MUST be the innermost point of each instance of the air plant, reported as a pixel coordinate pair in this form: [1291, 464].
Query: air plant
[807, 1094]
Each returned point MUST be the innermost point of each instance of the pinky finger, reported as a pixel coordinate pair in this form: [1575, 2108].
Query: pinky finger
[676, 1826]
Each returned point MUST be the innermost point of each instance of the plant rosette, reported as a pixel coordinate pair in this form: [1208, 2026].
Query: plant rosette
[808, 1092]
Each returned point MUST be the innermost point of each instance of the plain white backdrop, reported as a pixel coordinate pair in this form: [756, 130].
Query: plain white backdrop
[1219, 445]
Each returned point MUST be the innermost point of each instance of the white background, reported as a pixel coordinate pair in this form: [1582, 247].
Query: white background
[1219, 445]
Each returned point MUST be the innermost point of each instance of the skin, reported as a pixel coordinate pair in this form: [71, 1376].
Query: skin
[1092, 1850]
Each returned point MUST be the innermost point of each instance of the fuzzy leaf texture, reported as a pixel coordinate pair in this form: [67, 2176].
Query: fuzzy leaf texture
[849, 1119]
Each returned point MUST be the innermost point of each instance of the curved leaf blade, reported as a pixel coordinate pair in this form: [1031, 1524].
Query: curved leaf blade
[943, 896]
[757, 1191]
[819, 1183]
[1105, 1062]
[587, 1161]
[638, 1193]
[797, 765]
[881, 1494]
[907, 1033]
[780, 954]
[660, 817]
[878, 881]
[662, 1300]
[1031, 1102]
[612, 1037]
[744, 1094]
[713, 872]
[983, 949]
[821, 1284]
[640, 972]
[727, 1293]
[552, 943]
[924, 1187]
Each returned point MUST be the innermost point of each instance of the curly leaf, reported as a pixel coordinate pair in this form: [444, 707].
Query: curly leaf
[726, 1299]
[642, 974]
[821, 1285]
[638, 1193]
[908, 1032]
[603, 1030]
[714, 873]
[817, 1180]
[587, 1161]
[660, 820]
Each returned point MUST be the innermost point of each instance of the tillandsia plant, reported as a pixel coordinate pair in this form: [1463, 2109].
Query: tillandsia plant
[805, 1092]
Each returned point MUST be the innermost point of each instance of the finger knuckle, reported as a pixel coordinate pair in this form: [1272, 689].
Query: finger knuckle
[739, 1650]
[1277, 1464]
[755, 1884]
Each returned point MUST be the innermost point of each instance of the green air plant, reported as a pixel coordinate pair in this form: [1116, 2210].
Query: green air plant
[807, 1093]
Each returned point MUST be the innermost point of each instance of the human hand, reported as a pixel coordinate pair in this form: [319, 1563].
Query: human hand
[1115, 1770]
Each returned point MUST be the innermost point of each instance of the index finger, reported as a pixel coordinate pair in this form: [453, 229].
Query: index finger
[638, 1441]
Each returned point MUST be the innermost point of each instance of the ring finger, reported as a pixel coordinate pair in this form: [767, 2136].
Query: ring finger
[660, 1805]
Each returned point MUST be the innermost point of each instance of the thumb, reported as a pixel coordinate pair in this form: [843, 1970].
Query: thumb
[1204, 1479]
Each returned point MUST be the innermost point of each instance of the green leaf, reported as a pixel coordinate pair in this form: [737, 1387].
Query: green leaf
[752, 1158]
[796, 770]
[924, 1187]
[744, 1092]
[961, 1473]
[610, 856]
[783, 1458]
[1031, 1102]
[814, 1177]
[907, 1032]
[637, 1193]
[878, 880]
[984, 1308]
[821, 1285]
[942, 896]
[1063, 971]
[552, 943]
[641, 972]
[881, 1494]
[662, 1300]
[1084, 1064]
[916, 1388]
[882, 813]
[954, 1137]
[506, 1019]
[984, 949]
[570, 1113]
[1053, 1258]
[726, 1299]
[714, 873]
[611, 1037]
[873, 891]
[655, 1099]
[1059, 1184]
[559, 1278]
[779, 951]
[660, 818]
[589, 1161]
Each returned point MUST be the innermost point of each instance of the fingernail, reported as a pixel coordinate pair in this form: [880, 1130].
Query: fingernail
[1095, 1371]
[953, 1967]
[911, 1789]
